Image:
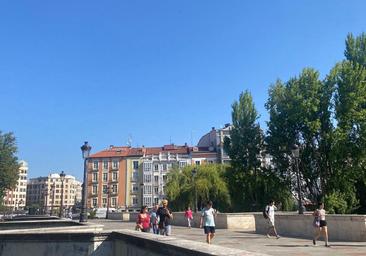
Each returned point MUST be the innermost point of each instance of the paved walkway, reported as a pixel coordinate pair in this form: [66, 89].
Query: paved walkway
[256, 243]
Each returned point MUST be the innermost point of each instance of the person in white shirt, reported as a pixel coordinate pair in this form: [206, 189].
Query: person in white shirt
[270, 210]
[208, 220]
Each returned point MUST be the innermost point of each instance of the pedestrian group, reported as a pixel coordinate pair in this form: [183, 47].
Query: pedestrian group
[159, 220]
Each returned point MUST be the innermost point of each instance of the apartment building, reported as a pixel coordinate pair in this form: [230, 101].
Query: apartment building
[45, 193]
[16, 198]
[107, 176]
[156, 164]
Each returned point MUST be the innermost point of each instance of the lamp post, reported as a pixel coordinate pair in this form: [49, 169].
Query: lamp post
[85, 149]
[62, 177]
[45, 201]
[53, 197]
[296, 154]
[194, 173]
[142, 193]
[108, 196]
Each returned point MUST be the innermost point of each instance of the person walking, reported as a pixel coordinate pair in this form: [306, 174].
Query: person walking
[320, 224]
[165, 219]
[270, 212]
[208, 220]
[154, 219]
[189, 216]
[143, 220]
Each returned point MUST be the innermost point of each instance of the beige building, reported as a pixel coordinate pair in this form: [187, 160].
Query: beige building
[16, 198]
[45, 193]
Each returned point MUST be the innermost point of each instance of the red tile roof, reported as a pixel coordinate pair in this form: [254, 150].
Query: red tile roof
[128, 151]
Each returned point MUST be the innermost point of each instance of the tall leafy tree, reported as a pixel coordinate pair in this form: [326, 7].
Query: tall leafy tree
[297, 116]
[8, 163]
[348, 181]
[244, 148]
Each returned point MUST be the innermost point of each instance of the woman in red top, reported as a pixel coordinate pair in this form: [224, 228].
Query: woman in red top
[189, 216]
[143, 220]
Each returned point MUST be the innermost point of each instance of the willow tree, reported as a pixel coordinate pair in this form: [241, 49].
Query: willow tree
[207, 182]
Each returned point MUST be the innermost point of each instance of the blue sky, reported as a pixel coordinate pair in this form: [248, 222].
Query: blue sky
[158, 71]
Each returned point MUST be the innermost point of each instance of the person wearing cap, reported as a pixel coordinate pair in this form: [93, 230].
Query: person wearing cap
[166, 217]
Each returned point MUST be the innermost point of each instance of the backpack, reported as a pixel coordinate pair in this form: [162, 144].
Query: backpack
[265, 212]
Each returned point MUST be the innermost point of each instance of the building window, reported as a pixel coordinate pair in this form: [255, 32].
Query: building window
[198, 162]
[135, 188]
[105, 165]
[165, 178]
[95, 189]
[156, 179]
[147, 167]
[95, 202]
[135, 175]
[114, 201]
[104, 201]
[135, 200]
[156, 167]
[156, 190]
[164, 167]
[105, 189]
[147, 178]
[135, 165]
[182, 164]
[95, 165]
[95, 176]
[114, 189]
[115, 164]
[114, 176]
[105, 177]
[148, 189]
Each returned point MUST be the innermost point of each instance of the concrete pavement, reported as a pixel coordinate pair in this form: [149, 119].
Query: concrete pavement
[255, 242]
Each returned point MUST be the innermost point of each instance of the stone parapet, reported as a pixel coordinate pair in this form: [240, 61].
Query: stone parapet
[350, 228]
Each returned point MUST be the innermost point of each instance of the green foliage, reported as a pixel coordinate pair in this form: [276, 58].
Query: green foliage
[8, 163]
[209, 183]
[328, 120]
[336, 202]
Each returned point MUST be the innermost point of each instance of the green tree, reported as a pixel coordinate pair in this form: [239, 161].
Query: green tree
[8, 163]
[208, 182]
[244, 147]
[299, 114]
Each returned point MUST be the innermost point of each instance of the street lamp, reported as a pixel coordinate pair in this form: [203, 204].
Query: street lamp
[45, 200]
[85, 149]
[62, 177]
[142, 193]
[108, 196]
[296, 154]
[53, 197]
[194, 173]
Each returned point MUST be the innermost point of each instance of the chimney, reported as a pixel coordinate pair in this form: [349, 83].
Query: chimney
[213, 128]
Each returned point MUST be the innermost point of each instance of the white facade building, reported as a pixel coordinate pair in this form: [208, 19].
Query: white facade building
[156, 166]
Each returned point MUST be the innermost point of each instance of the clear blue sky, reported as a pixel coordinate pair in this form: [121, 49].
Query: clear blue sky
[156, 70]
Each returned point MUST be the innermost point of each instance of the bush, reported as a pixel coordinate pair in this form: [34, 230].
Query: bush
[336, 202]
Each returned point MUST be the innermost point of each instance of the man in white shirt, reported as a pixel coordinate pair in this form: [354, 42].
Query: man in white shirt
[270, 211]
[208, 220]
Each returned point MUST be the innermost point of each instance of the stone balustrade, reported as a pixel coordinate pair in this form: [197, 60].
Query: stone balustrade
[351, 228]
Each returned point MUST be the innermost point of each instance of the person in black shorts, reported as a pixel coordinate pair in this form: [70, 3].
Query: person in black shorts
[320, 224]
